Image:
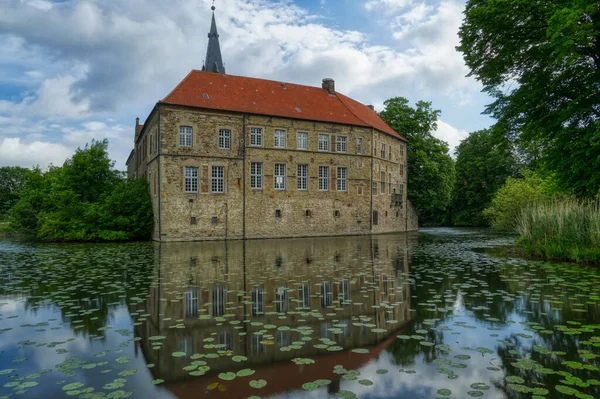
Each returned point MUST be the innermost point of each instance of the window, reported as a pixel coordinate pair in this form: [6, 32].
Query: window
[224, 139]
[359, 145]
[382, 182]
[191, 302]
[191, 180]
[256, 175]
[375, 150]
[344, 293]
[214, 220]
[304, 295]
[374, 187]
[323, 142]
[302, 177]
[375, 218]
[326, 294]
[185, 136]
[258, 301]
[336, 213]
[401, 149]
[280, 138]
[401, 191]
[218, 179]
[302, 141]
[193, 220]
[323, 178]
[402, 171]
[277, 213]
[281, 300]
[279, 183]
[390, 183]
[342, 179]
[256, 136]
[218, 300]
[383, 150]
[341, 143]
[307, 213]
[390, 153]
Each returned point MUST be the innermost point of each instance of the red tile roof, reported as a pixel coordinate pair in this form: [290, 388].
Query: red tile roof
[269, 97]
[139, 128]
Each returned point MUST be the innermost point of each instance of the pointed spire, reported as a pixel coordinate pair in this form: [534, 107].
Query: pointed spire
[213, 61]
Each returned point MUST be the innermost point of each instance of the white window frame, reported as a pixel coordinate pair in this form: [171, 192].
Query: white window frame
[324, 142]
[382, 182]
[324, 178]
[224, 139]
[359, 145]
[191, 179]
[256, 136]
[341, 144]
[186, 134]
[279, 138]
[279, 176]
[342, 179]
[303, 177]
[383, 150]
[302, 139]
[217, 181]
[256, 175]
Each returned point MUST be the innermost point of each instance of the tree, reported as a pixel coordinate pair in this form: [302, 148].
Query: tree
[540, 60]
[84, 200]
[12, 179]
[483, 163]
[430, 171]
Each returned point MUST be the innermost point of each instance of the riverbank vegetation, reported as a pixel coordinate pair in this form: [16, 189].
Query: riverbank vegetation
[85, 199]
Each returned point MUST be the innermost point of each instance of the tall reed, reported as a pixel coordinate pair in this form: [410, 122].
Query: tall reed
[561, 229]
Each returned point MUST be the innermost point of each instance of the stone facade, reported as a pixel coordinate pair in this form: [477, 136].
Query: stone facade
[369, 197]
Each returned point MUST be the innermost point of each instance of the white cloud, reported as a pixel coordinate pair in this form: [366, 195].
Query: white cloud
[105, 60]
[450, 135]
[15, 152]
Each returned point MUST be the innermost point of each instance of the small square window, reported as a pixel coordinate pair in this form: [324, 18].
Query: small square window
[193, 220]
[214, 220]
[336, 213]
[278, 213]
[308, 213]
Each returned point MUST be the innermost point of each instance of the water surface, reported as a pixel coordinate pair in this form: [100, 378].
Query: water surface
[435, 314]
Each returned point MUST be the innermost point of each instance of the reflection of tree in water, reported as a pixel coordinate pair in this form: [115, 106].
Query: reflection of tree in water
[549, 300]
[85, 282]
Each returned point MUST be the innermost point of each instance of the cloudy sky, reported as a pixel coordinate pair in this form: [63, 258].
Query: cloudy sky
[76, 70]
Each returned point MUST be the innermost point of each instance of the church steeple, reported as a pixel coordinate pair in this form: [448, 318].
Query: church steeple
[213, 61]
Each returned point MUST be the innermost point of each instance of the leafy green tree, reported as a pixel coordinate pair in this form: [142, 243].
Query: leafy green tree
[540, 60]
[12, 178]
[84, 200]
[483, 163]
[430, 171]
[515, 195]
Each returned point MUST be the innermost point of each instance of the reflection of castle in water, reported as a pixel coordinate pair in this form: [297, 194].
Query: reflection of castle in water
[238, 295]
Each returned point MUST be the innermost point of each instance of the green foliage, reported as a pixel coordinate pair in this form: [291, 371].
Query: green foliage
[483, 163]
[430, 171]
[540, 60]
[515, 195]
[562, 229]
[84, 200]
[11, 179]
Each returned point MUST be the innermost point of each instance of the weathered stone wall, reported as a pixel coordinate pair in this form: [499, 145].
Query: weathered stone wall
[412, 218]
[390, 217]
[352, 205]
[267, 212]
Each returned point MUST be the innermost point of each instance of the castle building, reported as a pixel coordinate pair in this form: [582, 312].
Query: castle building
[231, 157]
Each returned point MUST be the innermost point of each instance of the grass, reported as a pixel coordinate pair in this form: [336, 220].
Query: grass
[561, 230]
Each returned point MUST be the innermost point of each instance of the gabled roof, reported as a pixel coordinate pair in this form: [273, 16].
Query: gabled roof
[268, 97]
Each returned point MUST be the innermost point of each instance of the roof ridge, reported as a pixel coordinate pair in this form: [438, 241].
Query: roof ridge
[179, 84]
[352, 112]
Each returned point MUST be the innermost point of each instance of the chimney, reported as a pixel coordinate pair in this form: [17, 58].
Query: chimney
[329, 86]
[371, 107]
[137, 127]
